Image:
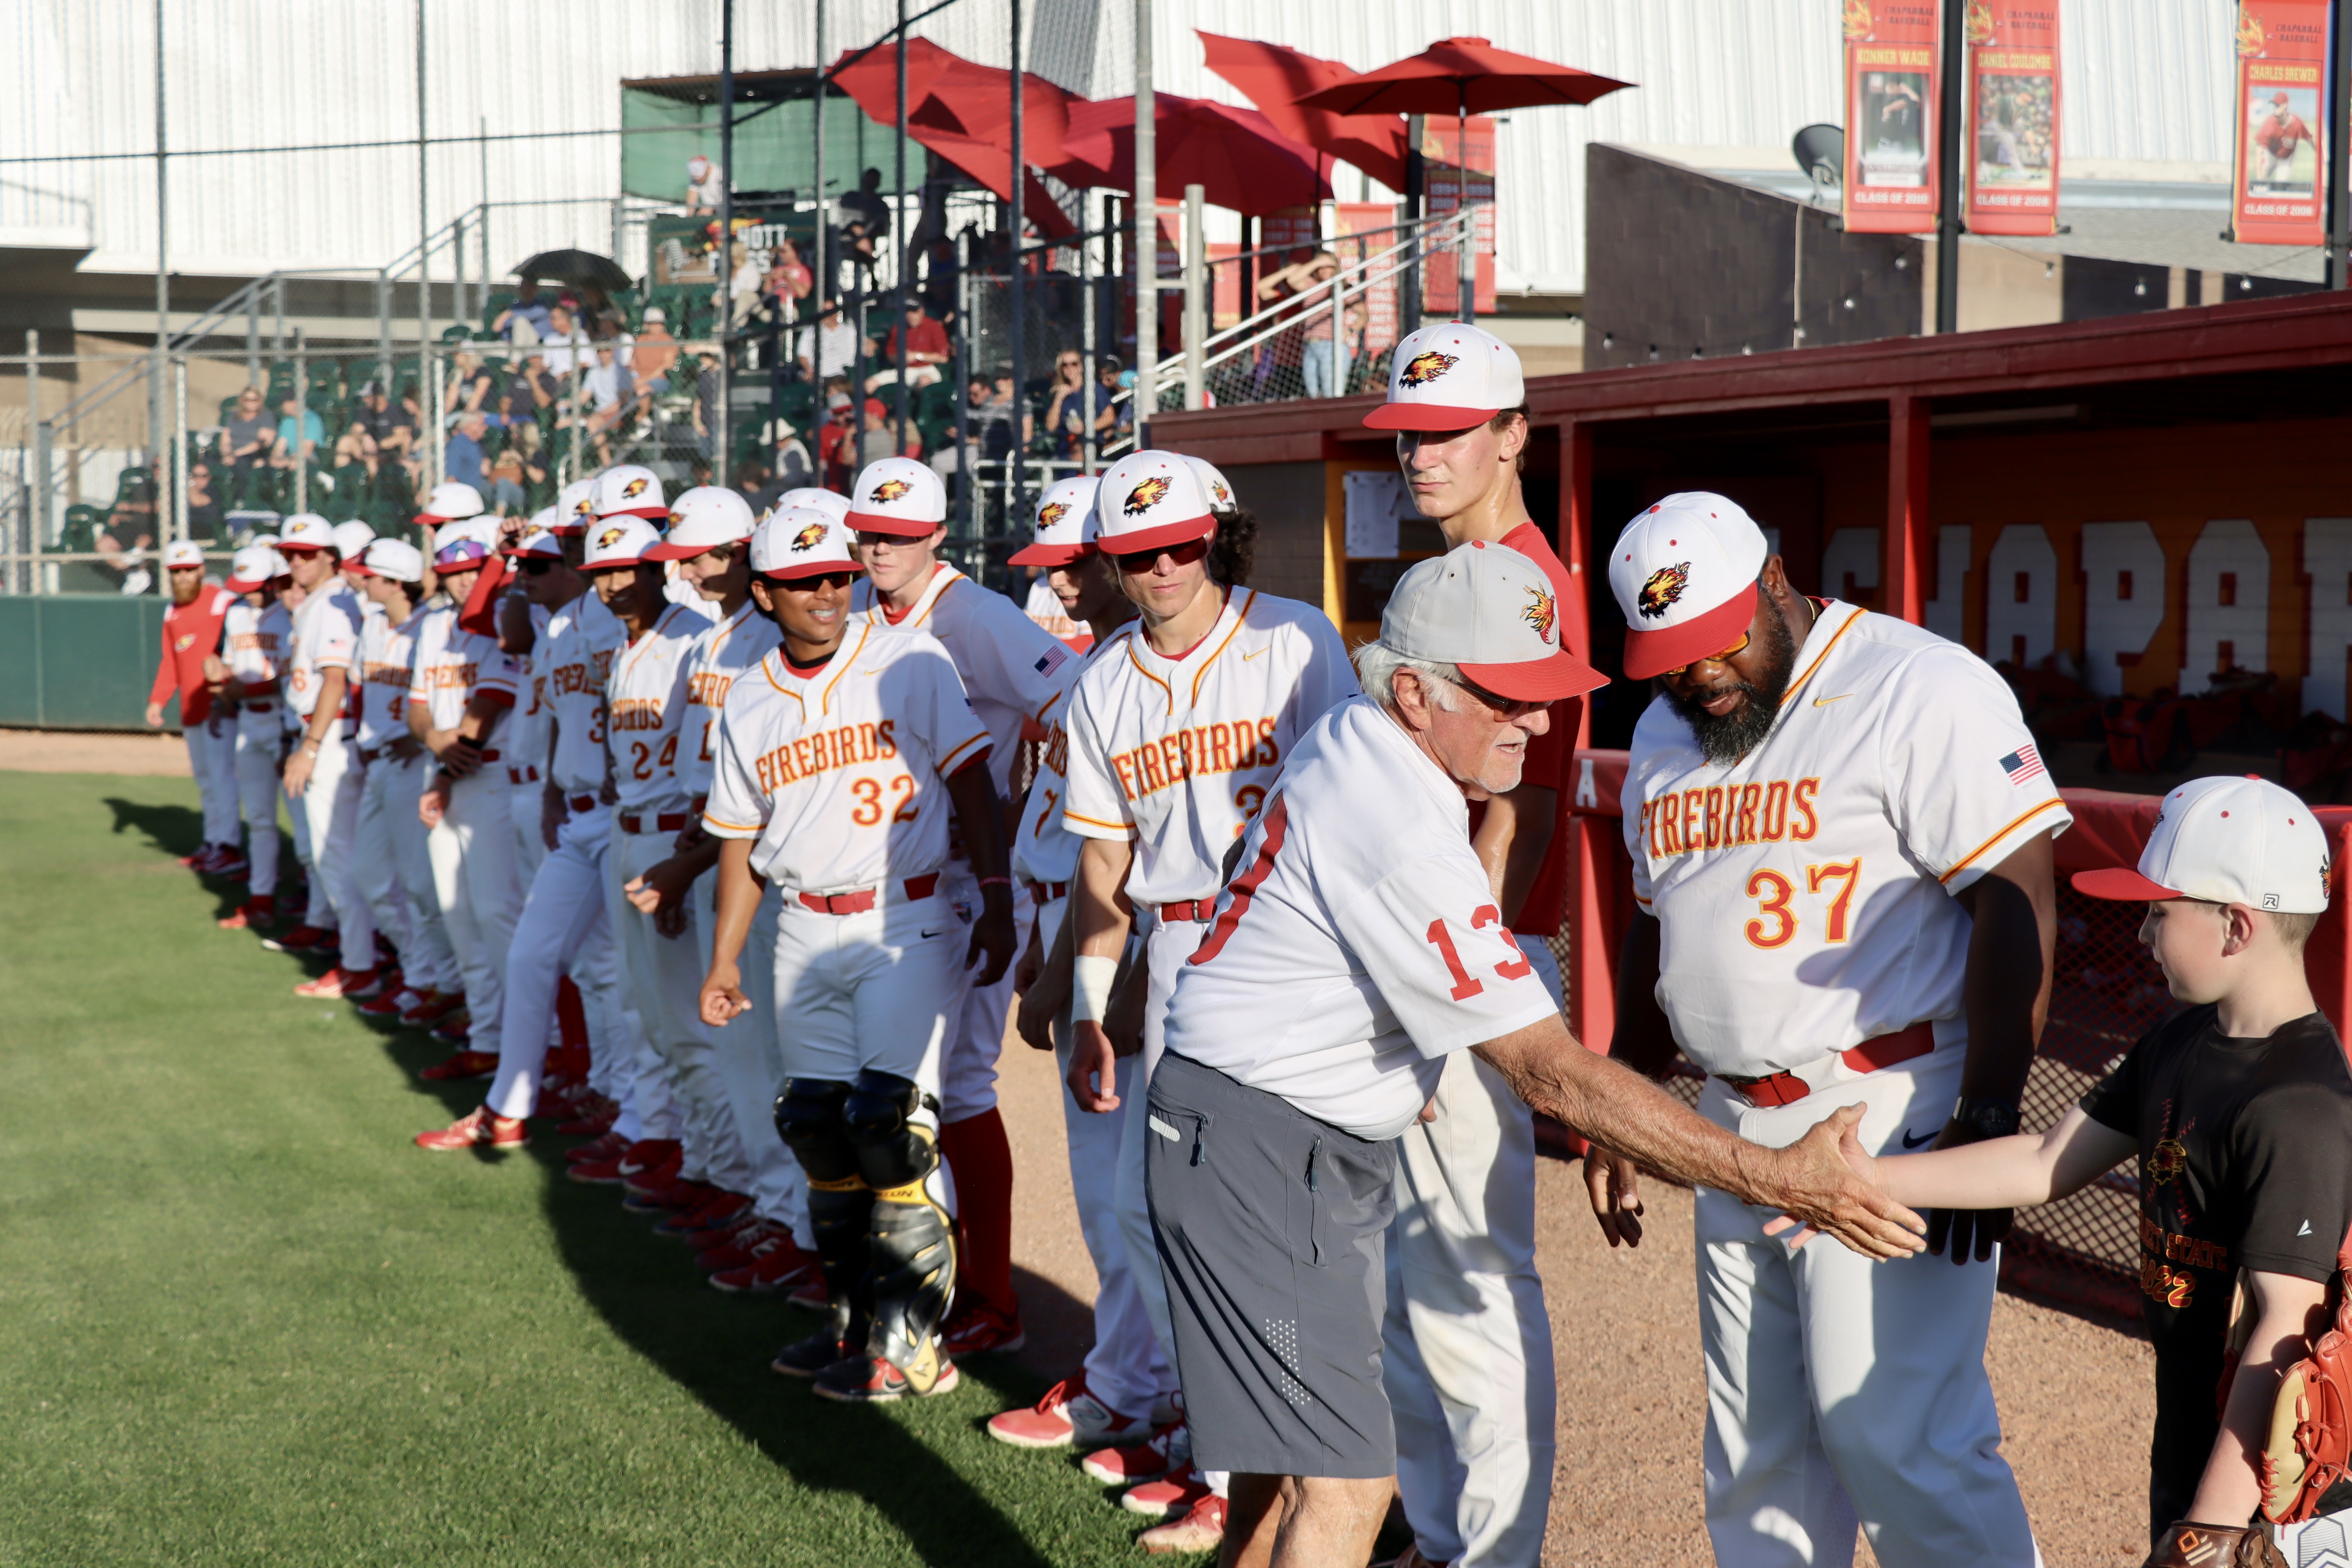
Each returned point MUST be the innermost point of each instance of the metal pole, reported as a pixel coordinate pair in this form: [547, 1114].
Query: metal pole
[967, 460]
[899, 230]
[482, 305]
[723, 437]
[1465, 254]
[1017, 285]
[36, 462]
[1147, 235]
[826, 282]
[1948, 174]
[1416, 182]
[424, 245]
[461, 274]
[384, 335]
[2340, 126]
[162, 263]
[253, 333]
[1087, 329]
[1196, 264]
[301, 418]
[437, 401]
[277, 304]
[177, 464]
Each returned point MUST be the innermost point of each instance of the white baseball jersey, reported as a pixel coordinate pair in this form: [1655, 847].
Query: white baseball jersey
[1360, 943]
[731, 649]
[1804, 894]
[1015, 672]
[583, 637]
[1178, 754]
[686, 595]
[840, 775]
[1044, 849]
[524, 742]
[253, 646]
[326, 636]
[452, 664]
[1044, 607]
[645, 703]
[387, 669]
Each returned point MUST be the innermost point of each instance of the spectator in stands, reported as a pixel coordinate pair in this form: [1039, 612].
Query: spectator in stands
[879, 439]
[528, 309]
[1112, 419]
[988, 419]
[356, 448]
[834, 447]
[867, 204]
[472, 388]
[706, 185]
[391, 430]
[1065, 403]
[744, 279]
[654, 354]
[789, 280]
[607, 390]
[708, 424]
[512, 474]
[828, 348]
[531, 388]
[412, 413]
[251, 438]
[564, 342]
[292, 446]
[123, 543]
[789, 460]
[755, 482]
[926, 350]
[856, 254]
[203, 507]
[462, 458]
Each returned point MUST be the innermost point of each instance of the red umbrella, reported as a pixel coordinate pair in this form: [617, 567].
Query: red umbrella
[1274, 78]
[1468, 76]
[873, 79]
[1236, 155]
[989, 162]
[959, 110]
[977, 101]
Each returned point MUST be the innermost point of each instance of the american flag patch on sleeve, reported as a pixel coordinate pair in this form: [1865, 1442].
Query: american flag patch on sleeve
[2023, 763]
[1053, 659]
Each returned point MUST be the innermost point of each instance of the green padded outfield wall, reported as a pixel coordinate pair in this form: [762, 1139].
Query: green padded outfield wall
[79, 661]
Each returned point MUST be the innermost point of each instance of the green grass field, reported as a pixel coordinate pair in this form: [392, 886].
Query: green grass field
[243, 1321]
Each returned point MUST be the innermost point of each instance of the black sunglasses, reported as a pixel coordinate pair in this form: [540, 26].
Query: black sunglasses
[1142, 561]
[538, 566]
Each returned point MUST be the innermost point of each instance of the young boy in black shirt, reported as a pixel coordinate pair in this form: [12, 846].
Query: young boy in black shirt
[2240, 1110]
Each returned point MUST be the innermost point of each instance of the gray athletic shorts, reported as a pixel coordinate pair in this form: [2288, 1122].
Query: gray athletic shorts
[1272, 1228]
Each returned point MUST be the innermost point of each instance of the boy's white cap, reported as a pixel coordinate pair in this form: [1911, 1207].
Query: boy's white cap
[1212, 484]
[537, 538]
[897, 496]
[1151, 500]
[619, 542]
[252, 566]
[450, 501]
[575, 507]
[182, 553]
[1449, 377]
[1684, 574]
[396, 559]
[833, 504]
[704, 516]
[1065, 523]
[629, 490]
[2230, 841]
[1490, 612]
[801, 541]
[351, 540]
[483, 530]
[305, 531]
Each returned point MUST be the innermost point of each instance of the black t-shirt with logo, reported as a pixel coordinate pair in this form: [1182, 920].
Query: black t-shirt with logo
[2245, 1161]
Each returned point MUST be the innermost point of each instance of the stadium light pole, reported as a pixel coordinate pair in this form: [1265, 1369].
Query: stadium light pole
[1146, 237]
[722, 439]
[1947, 172]
[162, 273]
[1017, 291]
[898, 234]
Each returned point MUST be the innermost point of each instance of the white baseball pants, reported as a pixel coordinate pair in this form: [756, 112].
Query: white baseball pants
[751, 1062]
[473, 857]
[564, 927]
[862, 991]
[526, 801]
[212, 758]
[257, 750]
[427, 962]
[1468, 1358]
[287, 741]
[331, 802]
[976, 1014]
[384, 793]
[1838, 1387]
[664, 974]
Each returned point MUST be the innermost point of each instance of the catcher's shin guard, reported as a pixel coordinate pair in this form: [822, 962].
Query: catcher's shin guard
[809, 1117]
[895, 1127]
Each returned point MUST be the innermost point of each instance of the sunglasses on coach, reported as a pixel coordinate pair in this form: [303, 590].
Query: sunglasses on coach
[1734, 651]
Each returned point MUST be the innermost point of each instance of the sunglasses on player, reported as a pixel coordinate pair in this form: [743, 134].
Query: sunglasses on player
[836, 580]
[1734, 651]
[538, 566]
[1139, 562]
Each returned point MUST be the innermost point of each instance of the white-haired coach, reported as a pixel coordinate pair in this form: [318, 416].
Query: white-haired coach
[1359, 945]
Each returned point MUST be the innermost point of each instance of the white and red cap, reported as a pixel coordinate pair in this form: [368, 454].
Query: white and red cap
[704, 516]
[450, 502]
[1492, 613]
[1151, 501]
[1065, 523]
[351, 540]
[2229, 841]
[628, 490]
[537, 538]
[833, 504]
[182, 553]
[305, 531]
[575, 507]
[252, 567]
[1449, 377]
[801, 541]
[1684, 574]
[396, 559]
[619, 542]
[1212, 484]
[897, 496]
[483, 528]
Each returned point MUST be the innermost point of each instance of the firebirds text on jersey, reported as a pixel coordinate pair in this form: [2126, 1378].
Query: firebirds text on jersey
[824, 751]
[1727, 816]
[1202, 750]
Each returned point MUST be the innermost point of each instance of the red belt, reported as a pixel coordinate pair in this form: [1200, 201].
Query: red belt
[261, 707]
[489, 756]
[859, 902]
[523, 775]
[579, 803]
[1882, 1051]
[667, 822]
[1041, 893]
[369, 754]
[1190, 909]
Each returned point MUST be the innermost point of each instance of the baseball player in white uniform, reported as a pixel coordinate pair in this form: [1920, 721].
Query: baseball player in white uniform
[324, 774]
[464, 688]
[255, 632]
[840, 759]
[1177, 730]
[1114, 1397]
[1841, 835]
[1018, 676]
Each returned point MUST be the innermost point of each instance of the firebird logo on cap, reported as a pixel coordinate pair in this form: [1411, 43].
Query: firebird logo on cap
[609, 538]
[808, 538]
[1144, 497]
[1666, 585]
[1541, 613]
[890, 490]
[1051, 513]
[1422, 369]
[584, 507]
[1223, 495]
[634, 488]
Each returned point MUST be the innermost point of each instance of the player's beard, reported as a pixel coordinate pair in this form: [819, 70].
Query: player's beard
[1725, 741]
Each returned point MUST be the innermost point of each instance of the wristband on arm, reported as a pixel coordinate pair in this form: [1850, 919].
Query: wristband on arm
[1090, 985]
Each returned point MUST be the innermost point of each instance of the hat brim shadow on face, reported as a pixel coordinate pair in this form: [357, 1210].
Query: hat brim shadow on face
[1166, 536]
[1702, 637]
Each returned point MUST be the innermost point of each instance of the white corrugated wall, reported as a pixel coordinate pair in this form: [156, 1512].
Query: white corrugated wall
[2146, 80]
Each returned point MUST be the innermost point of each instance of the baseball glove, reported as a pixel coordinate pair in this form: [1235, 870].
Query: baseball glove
[2305, 1460]
[2187, 1545]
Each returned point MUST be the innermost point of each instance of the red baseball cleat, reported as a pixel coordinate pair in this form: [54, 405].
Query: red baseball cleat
[649, 1153]
[870, 1380]
[431, 1007]
[477, 1130]
[1171, 1497]
[776, 1264]
[1167, 1452]
[609, 1147]
[251, 913]
[383, 983]
[597, 1173]
[465, 1064]
[733, 1248]
[304, 939]
[336, 981]
[454, 1030]
[719, 1206]
[1066, 1417]
[978, 1327]
[388, 1003]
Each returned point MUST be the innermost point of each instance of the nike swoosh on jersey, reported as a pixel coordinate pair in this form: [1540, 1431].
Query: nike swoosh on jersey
[1247, 657]
[1825, 701]
[1909, 1142]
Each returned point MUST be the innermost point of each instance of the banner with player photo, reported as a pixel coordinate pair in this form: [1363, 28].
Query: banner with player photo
[2012, 169]
[2276, 180]
[1891, 72]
